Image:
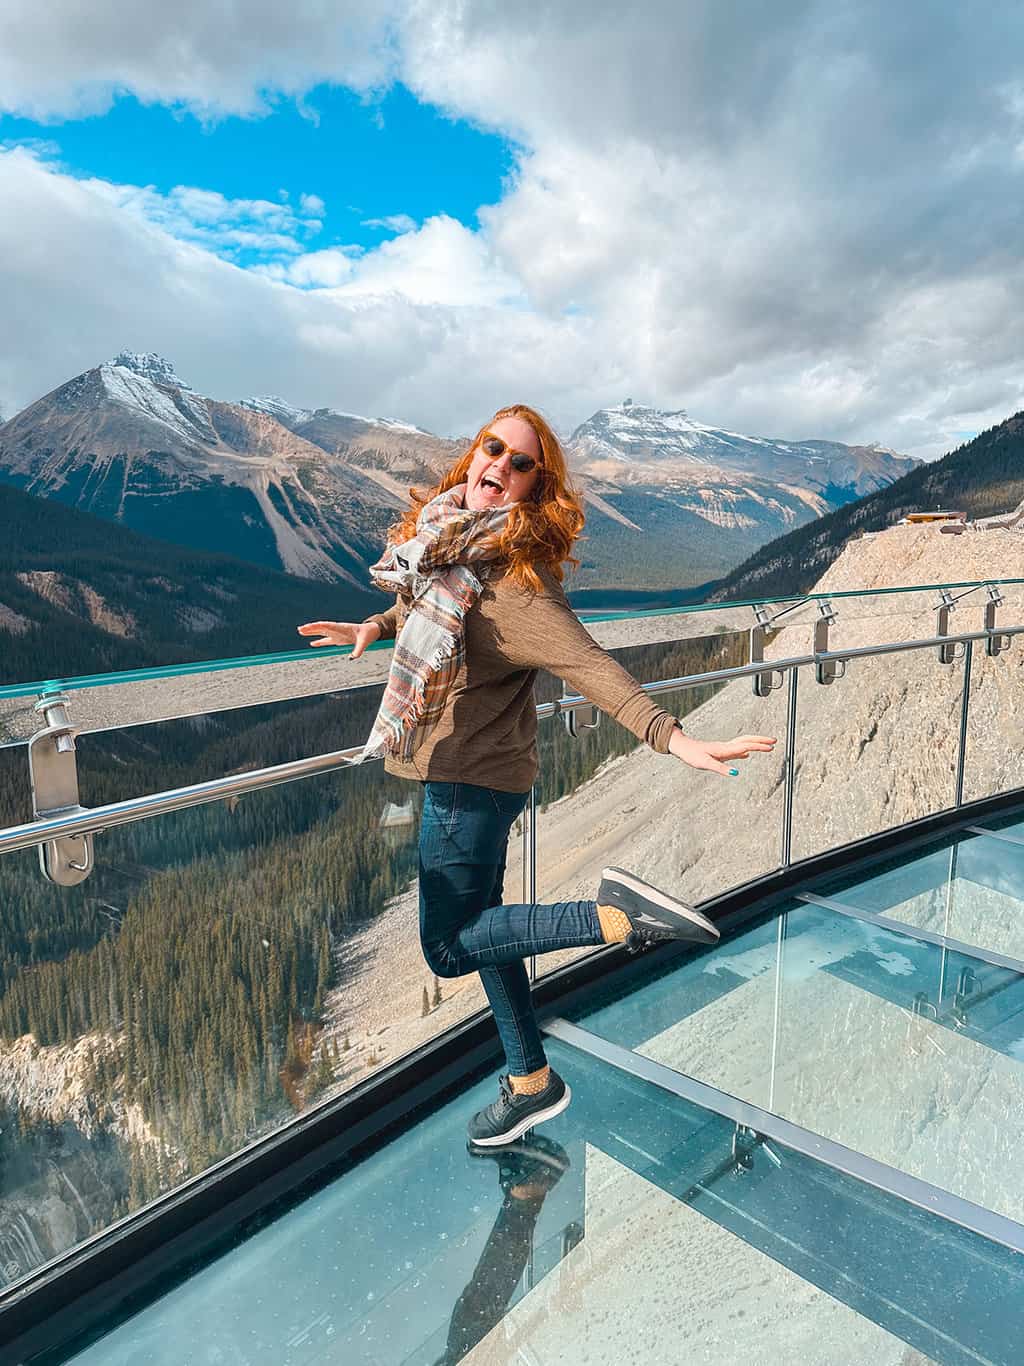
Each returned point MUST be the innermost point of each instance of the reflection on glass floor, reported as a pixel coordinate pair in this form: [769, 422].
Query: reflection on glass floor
[967, 888]
[642, 1227]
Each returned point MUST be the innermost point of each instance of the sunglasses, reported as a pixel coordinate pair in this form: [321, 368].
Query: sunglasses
[494, 448]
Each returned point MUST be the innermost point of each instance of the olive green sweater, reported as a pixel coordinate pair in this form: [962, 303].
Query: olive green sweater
[487, 733]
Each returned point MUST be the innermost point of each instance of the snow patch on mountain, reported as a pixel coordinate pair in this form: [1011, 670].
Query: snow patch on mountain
[179, 410]
[277, 407]
[293, 417]
[635, 435]
[150, 366]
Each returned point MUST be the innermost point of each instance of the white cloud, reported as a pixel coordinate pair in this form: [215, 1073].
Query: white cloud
[395, 222]
[64, 59]
[799, 220]
[209, 219]
[93, 278]
[312, 205]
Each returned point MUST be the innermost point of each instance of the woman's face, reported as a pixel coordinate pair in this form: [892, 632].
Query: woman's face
[494, 483]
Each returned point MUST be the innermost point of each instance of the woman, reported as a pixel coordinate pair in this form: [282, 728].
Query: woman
[477, 566]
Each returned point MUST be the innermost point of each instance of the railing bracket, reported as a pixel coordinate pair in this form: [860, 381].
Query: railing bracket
[826, 670]
[948, 654]
[576, 721]
[995, 643]
[764, 683]
[53, 772]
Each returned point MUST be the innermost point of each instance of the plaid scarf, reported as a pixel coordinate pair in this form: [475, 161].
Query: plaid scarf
[431, 575]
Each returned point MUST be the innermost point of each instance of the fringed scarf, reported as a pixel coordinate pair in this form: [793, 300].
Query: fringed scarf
[432, 575]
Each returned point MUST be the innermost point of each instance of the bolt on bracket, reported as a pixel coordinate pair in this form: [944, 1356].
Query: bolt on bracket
[53, 773]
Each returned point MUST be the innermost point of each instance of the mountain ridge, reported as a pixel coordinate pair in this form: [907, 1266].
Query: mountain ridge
[983, 478]
[312, 491]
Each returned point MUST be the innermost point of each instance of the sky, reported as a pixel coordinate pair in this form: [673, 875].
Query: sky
[802, 220]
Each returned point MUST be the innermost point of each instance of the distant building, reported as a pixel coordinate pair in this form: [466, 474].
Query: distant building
[939, 515]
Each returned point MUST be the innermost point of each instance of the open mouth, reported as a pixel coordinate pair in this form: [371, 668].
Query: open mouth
[489, 482]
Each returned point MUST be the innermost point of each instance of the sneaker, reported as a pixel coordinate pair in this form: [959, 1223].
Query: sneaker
[654, 915]
[509, 1117]
[535, 1161]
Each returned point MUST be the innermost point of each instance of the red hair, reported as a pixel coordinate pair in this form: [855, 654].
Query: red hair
[540, 531]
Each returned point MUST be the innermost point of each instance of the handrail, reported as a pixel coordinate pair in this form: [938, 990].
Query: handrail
[10, 691]
[95, 819]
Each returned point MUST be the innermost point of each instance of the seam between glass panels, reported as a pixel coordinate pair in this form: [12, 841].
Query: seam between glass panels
[997, 1228]
[1003, 835]
[942, 941]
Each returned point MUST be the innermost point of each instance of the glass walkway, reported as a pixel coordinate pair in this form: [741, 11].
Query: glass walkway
[233, 1100]
[801, 1146]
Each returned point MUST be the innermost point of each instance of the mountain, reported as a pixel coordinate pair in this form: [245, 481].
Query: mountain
[982, 478]
[131, 441]
[79, 595]
[671, 503]
[394, 454]
[654, 445]
[701, 496]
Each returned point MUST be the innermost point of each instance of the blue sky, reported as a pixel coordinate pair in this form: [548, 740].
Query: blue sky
[797, 221]
[368, 159]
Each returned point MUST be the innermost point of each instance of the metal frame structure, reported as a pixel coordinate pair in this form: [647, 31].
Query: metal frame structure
[91, 1279]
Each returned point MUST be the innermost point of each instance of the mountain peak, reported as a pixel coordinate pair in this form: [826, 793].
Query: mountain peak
[150, 366]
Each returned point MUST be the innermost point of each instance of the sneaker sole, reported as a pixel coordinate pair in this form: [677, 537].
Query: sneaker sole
[528, 1122]
[669, 903]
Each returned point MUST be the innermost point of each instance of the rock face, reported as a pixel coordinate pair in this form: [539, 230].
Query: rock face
[62, 1148]
[722, 493]
[129, 440]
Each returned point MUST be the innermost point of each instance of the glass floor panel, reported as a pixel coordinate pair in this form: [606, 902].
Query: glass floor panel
[627, 1231]
[968, 888]
[887, 1044]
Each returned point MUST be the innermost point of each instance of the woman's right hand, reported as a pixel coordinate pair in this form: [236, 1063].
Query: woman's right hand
[358, 634]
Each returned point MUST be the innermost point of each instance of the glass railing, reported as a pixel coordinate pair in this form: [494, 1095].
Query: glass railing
[237, 955]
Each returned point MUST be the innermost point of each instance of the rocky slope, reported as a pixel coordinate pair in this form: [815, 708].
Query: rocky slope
[132, 442]
[82, 595]
[982, 479]
[874, 750]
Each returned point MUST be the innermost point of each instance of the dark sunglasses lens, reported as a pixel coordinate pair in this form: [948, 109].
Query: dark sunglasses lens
[493, 447]
[523, 463]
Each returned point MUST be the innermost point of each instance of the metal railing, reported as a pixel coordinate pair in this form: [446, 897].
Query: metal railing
[69, 821]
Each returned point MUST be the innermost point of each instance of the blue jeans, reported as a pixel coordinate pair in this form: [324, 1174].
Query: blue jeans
[463, 925]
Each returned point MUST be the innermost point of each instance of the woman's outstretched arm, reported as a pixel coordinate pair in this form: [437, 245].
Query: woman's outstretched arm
[547, 634]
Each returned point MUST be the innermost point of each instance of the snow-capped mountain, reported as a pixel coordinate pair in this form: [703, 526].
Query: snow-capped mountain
[714, 496]
[670, 501]
[632, 434]
[394, 454]
[131, 441]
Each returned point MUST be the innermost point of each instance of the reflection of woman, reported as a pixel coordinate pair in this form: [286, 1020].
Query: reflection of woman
[527, 1172]
[477, 565]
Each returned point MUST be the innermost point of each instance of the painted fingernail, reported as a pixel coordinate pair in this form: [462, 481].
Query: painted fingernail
[734, 772]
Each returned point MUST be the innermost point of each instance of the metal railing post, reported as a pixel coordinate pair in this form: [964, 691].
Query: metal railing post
[790, 764]
[965, 707]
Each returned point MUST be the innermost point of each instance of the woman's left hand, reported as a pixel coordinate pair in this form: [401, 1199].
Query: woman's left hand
[709, 754]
